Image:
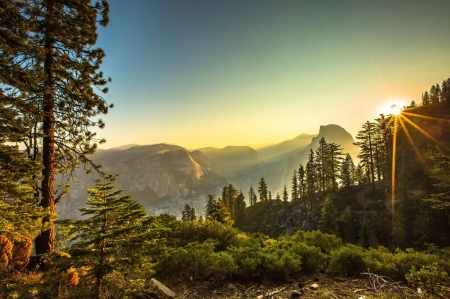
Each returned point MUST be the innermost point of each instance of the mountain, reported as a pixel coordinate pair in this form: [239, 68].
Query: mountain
[288, 147]
[332, 134]
[162, 177]
[231, 159]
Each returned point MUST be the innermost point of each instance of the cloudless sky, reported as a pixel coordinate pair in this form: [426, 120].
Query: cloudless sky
[218, 73]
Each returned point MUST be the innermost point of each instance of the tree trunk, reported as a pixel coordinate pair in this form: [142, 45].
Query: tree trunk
[44, 242]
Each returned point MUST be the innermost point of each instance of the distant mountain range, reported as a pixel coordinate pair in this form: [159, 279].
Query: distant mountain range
[166, 177]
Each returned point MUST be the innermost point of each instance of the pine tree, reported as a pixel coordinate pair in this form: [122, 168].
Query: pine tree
[333, 165]
[188, 213]
[366, 142]
[211, 206]
[278, 198]
[262, 190]
[239, 209]
[359, 174]
[435, 94]
[440, 176]
[347, 172]
[285, 196]
[229, 195]
[311, 178]
[217, 211]
[320, 164]
[425, 98]
[295, 194]
[445, 94]
[252, 196]
[58, 51]
[107, 240]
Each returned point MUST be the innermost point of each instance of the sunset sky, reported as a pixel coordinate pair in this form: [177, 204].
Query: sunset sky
[218, 73]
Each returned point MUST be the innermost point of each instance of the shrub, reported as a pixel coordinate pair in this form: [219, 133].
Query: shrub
[380, 261]
[198, 261]
[316, 238]
[313, 259]
[347, 260]
[406, 260]
[428, 278]
[279, 261]
[248, 260]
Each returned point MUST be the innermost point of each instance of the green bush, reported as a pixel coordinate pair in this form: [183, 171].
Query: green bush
[428, 278]
[198, 261]
[195, 231]
[406, 260]
[347, 260]
[313, 259]
[279, 261]
[381, 262]
[316, 238]
[248, 260]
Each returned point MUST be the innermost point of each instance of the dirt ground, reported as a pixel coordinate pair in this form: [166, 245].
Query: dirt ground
[297, 287]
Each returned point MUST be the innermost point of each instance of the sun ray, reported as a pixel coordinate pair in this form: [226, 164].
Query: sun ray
[424, 116]
[394, 152]
[425, 133]
[411, 141]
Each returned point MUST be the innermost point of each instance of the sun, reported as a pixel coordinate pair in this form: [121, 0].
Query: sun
[393, 107]
[395, 110]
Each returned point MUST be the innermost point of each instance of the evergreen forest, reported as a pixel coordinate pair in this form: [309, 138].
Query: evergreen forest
[385, 212]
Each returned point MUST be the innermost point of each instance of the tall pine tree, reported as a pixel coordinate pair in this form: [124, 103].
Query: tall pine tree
[59, 52]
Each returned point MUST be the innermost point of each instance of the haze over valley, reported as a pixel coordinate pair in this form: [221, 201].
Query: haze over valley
[164, 177]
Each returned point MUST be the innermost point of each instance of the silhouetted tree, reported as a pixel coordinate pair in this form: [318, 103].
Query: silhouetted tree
[285, 196]
[311, 178]
[239, 209]
[252, 196]
[366, 142]
[188, 213]
[294, 194]
[262, 190]
[347, 172]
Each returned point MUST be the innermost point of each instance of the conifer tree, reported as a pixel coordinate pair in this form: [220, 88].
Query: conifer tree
[58, 52]
[229, 195]
[311, 178]
[440, 176]
[359, 174]
[107, 239]
[253, 199]
[211, 206]
[435, 94]
[262, 190]
[445, 94]
[333, 165]
[321, 164]
[285, 196]
[301, 181]
[217, 211]
[278, 198]
[347, 172]
[188, 213]
[295, 194]
[366, 142]
[425, 98]
[269, 196]
[239, 209]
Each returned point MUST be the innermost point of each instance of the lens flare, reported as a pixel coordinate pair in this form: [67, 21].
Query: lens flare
[395, 110]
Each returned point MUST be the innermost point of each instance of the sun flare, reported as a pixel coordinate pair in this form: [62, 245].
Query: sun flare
[394, 107]
[395, 110]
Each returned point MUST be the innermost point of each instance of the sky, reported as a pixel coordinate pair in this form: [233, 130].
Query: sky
[219, 73]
